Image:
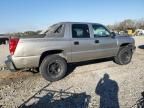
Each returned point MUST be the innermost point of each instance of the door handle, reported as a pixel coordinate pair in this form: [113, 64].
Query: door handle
[76, 43]
[96, 41]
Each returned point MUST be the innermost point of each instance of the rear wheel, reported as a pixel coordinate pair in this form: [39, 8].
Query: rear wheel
[53, 68]
[124, 56]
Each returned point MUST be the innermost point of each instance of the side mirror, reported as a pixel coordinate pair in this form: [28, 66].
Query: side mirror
[113, 34]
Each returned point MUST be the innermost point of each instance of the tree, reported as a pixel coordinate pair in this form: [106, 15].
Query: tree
[126, 24]
[140, 24]
[32, 33]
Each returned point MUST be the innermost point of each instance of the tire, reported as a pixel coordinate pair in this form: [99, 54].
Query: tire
[53, 68]
[124, 56]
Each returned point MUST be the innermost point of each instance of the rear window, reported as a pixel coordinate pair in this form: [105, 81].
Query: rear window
[56, 30]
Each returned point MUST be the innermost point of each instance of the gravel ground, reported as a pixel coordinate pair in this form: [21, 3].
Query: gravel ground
[122, 85]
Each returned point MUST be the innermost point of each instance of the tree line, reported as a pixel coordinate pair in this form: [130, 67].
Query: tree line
[127, 24]
[120, 26]
[26, 33]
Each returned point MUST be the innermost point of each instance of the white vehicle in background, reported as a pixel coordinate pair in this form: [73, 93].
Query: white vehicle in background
[139, 32]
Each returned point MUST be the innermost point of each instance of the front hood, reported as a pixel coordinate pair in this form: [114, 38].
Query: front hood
[122, 36]
[125, 39]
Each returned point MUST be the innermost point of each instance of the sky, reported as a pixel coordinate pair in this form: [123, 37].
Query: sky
[23, 15]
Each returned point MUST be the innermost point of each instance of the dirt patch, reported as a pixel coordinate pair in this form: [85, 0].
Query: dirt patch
[7, 77]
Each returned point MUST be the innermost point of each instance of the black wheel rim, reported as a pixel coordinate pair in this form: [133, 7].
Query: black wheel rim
[126, 56]
[54, 68]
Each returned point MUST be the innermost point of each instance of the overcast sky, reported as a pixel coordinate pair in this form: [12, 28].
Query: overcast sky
[22, 15]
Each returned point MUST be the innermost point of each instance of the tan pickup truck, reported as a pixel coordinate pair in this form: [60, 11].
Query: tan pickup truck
[68, 42]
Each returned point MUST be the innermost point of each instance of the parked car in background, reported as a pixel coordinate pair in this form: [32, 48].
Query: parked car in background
[4, 39]
[139, 32]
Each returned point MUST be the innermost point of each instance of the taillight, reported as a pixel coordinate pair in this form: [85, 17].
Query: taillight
[13, 44]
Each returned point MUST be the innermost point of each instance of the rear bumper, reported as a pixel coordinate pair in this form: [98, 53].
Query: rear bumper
[17, 63]
[10, 65]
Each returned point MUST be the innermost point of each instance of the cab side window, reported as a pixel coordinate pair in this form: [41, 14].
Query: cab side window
[100, 31]
[80, 31]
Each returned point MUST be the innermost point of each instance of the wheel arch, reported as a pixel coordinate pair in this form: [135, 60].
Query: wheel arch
[125, 44]
[59, 52]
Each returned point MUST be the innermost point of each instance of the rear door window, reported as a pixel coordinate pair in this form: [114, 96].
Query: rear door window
[80, 31]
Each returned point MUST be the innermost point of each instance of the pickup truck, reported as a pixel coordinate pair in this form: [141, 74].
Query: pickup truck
[68, 42]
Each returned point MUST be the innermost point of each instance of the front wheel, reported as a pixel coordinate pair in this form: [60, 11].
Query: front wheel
[124, 56]
[53, 68]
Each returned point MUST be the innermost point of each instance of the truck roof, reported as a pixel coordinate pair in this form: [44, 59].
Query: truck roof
[79, 23]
